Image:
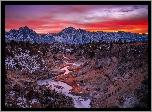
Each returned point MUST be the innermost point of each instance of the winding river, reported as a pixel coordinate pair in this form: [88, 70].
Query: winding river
[79, 102]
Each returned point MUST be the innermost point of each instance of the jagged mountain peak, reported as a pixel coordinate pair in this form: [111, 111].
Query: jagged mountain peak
[12, 31]
[71, 29]
[25, 27]
[68, 29]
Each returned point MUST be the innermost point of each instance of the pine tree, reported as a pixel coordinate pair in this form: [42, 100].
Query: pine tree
[125, 42]
[120, 42]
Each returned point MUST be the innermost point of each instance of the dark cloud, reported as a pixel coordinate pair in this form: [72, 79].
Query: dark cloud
[126, 10]
[139, 7]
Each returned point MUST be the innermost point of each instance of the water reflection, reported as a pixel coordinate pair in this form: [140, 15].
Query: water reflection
[64, 88]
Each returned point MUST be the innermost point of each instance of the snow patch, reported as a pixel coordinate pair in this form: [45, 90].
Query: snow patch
[65, 89]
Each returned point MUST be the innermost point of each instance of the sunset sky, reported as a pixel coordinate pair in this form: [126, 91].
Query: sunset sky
[53, 18]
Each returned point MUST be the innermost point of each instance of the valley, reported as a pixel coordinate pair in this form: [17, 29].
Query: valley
[92, 75]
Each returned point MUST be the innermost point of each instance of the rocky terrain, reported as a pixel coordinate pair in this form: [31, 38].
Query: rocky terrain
[111, 75]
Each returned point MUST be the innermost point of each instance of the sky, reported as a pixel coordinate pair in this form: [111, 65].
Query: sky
[53, 18]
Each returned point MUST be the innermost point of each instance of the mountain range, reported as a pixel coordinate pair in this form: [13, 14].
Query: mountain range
[71, 35]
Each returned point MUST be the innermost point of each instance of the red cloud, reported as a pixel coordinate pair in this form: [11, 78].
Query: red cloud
[46, 24]
[115, 25]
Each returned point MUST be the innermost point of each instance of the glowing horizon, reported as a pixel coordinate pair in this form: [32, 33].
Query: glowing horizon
[45, 19]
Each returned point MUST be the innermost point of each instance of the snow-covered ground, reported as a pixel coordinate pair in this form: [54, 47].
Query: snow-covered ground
[22, 101]
[10, 63]
[129, 102]
[25, 61]
[78, 101]
[66, 70]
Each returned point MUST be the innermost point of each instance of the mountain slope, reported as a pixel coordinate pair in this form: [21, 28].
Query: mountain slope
[71, 35]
